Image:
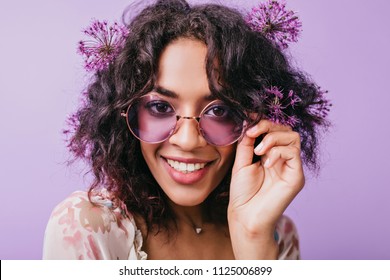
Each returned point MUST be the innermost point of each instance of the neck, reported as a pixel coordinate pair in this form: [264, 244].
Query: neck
[194, 216]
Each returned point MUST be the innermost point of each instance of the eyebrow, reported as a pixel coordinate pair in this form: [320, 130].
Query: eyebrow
[172, 94]
[165, 92]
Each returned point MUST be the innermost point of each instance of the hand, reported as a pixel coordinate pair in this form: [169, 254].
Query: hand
[261, 191]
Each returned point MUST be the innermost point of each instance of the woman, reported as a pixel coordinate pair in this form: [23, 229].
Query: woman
[194, 132]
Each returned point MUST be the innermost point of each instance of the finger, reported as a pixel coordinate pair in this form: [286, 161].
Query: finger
[266, 126]
[278, 138]
[289, 154]
[244, 153]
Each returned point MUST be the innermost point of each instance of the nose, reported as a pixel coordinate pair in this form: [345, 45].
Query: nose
[187, 135]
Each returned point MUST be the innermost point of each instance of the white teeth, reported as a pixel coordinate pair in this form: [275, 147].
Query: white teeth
[191, 167]
[182, 166]
[185, 167]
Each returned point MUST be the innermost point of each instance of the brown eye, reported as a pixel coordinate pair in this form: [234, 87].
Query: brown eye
[159, 108]
[162, 108]
[217, 111]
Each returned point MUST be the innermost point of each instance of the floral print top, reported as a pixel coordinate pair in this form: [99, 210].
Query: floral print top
[79, 229]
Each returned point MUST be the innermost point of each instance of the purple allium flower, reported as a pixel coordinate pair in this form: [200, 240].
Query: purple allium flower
[72, 126]
[275, 22]
[277, 104]
[104, 44]
[72, 123]
[321, 105]
[72, 120]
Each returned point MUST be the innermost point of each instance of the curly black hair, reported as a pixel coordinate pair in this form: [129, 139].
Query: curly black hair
[248, 63]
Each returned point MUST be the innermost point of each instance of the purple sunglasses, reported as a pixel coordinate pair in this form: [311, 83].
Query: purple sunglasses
[153, 120]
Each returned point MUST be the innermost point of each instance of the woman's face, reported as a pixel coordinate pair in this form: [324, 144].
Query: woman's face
[185, 166]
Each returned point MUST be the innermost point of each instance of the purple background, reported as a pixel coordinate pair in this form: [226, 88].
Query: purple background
[342, 214]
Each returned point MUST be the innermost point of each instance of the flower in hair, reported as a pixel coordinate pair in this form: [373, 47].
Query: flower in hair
[321, 106]
[103, 45]
[275, 22]
[277, 104]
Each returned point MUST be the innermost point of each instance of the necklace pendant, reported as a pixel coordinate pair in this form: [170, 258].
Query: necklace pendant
[198, 230]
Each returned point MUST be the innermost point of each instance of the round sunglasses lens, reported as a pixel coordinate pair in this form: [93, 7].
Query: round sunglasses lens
[221, 125]
[151, 119]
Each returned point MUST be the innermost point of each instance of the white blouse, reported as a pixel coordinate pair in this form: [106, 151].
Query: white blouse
[104, 230]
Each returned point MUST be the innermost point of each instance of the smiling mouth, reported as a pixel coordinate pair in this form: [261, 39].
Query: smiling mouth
[186, 167]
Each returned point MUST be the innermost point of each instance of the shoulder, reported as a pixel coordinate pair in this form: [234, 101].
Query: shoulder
[96, 228]
[286, 235]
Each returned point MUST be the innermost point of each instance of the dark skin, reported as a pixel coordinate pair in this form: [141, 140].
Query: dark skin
[211, 244]
[259, 191]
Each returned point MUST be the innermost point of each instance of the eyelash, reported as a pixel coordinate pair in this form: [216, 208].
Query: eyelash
[153, 107]
[218, 107]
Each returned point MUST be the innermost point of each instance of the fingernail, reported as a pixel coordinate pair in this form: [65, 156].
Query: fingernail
[267, 163]
[259, 147]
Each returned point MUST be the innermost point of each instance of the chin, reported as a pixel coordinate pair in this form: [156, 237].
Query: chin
[188, 198]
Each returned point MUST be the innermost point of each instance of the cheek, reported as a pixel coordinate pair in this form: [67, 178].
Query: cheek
[149, 153]
[227, 155]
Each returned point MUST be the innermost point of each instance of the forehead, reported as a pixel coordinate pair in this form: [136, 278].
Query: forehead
[182, 70]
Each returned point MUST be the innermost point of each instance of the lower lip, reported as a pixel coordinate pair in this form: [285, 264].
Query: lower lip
[185, 178]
